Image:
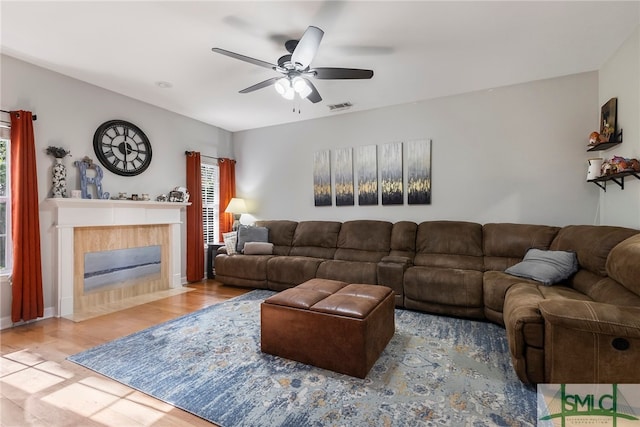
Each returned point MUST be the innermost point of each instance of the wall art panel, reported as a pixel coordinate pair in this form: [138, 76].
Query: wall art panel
[322, 178]
[391, 173]
[344, 176]
[366, 162]
[419, 172]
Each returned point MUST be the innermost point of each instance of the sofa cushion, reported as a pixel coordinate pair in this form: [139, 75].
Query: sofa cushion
[495, 285]
[454, 287]
[364, 240]
[349, 271]
[280, 234]
[317, 239]
[242, 270]
[449, 244]
[548, 267]
[505, 244]
[286, 271]
[403, 239]
[592, 244]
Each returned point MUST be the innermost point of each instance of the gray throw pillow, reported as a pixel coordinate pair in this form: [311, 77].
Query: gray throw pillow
[548, 267]
[248, 233]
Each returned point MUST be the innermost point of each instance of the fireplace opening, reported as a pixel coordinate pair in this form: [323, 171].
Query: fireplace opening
[118, 268]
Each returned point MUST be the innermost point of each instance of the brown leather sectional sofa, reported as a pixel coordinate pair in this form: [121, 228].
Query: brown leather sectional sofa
[583, 330]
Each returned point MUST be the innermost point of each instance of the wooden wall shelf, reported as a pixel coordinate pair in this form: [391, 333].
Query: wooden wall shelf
[618, 178]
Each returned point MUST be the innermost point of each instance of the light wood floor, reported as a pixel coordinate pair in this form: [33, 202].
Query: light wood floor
[40, 388]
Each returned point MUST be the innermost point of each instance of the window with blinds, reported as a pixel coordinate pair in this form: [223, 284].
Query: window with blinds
[210, 202]
[5, 204]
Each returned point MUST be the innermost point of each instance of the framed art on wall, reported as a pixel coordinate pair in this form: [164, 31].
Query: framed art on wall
[322, 178]
[419, 172]
[344, 176]
[366, 164]
[608, 119]
[391, 173]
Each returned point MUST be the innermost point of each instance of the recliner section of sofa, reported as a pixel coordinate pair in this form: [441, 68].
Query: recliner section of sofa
[457, 268]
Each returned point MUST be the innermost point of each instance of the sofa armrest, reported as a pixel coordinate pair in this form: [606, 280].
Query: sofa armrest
[590, 342]
[592, 317]
[391, 273]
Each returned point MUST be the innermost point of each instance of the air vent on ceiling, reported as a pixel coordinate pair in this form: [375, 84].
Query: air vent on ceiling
[340, 107]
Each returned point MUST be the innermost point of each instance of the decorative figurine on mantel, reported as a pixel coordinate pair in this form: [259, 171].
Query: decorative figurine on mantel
[87, 164]
[59, 187]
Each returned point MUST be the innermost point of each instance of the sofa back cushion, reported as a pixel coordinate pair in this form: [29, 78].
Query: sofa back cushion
[592, 244]
[403, 239]
[623, 264]
[449, 244]
[317, 239]
[506, 244]
[280, 234]
[364, 240]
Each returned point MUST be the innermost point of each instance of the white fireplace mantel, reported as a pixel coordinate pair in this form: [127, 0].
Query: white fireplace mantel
[72, 213]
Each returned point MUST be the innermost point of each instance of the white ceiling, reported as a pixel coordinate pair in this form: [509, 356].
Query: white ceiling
[417, 49]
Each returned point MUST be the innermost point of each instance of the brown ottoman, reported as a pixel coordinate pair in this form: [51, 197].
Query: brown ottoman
[329, 324]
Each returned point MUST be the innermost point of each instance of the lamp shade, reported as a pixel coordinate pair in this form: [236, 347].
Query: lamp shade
[236, 206]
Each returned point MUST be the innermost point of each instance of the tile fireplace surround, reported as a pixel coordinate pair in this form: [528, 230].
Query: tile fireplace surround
[73, 216]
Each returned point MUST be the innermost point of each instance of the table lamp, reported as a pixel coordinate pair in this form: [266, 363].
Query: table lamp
[237, 207]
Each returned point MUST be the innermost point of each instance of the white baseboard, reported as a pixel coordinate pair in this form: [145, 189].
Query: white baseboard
[6, 323]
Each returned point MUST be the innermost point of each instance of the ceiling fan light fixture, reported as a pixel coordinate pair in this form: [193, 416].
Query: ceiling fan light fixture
[289, 93]
[299, 84]
[305, 91]
[283, 86]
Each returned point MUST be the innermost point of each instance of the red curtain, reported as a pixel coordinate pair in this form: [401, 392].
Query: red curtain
[227, 192]
[195, 232]
[27, 299]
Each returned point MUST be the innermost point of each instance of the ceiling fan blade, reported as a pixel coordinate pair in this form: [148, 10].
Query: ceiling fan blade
[314, 96]
[244, 58]
[260, 85]
[328, 73]
[307, 46]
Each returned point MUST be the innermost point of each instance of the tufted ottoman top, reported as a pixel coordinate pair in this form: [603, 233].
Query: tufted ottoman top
[332, 297]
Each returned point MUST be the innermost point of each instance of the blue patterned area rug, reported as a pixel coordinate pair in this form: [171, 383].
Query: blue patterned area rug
[435, 371]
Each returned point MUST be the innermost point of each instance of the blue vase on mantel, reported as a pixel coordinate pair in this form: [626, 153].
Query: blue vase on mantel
[59, 188]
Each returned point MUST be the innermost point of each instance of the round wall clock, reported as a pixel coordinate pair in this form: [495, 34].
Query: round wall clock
[122, 147]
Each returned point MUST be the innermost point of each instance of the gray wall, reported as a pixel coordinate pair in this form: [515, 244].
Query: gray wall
[514, 154]
[620, 78]
[69, 111]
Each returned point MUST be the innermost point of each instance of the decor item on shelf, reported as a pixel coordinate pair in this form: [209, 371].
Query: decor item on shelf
[122, 147]
[608, 119]
[237, 207]
[162, 198]
[179, 194]
[87, 164]
[595, 167]
[619, 164]
[59, 172]
[594, 138]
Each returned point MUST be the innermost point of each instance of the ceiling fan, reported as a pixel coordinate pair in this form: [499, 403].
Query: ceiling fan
[296, 70]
